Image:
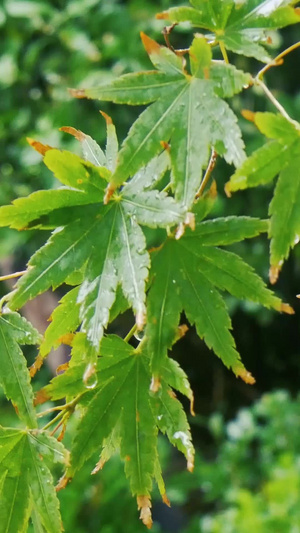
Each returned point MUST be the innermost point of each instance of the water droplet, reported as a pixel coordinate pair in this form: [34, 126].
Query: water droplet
[89, 378]
[139, 335]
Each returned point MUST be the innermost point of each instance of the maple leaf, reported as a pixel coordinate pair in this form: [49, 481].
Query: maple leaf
[14, 375]
[26, 483]
[121, 411]
[278, 156]
[186, 275]
[104, 244]
[237, 26]
[187, 109]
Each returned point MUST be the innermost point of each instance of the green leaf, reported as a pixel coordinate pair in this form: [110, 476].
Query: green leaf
[278, 156]
[122, 410]
[285, 215]
[240, 26]
[187, 106]
[28, 209]
[67, 248]
[122, 258]
[153, 209]
[91, 151]
[64, 320]
[112, 145]
[15, 503]
[186, 275]
[14, 375]
[72, 171]
[27, 480]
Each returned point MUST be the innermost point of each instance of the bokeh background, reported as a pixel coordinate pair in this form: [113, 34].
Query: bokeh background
[247, 473]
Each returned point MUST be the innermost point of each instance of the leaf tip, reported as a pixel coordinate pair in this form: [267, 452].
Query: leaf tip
[62, 483]
[286, 308]
[227, 189]
[274, 273]
[140, 319]
[155, 384]
[107, 118]
[77, 93]
[39, 147]
[79, 135]
[162, 16]
[144, 505]
[248, 115]
[245, 375]
[165, 499]
[151, 46]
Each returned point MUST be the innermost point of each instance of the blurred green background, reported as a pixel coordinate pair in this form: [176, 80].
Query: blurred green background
[247, 438]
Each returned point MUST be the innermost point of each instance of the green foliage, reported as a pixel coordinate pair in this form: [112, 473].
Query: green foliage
[135, 229]
[239, 26]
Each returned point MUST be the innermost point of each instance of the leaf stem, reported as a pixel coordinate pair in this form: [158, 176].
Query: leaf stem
[211, 166]
[274, 101]
[224, 52]
[130, 333]
[277, 61]
[55, 419]
[12, 276]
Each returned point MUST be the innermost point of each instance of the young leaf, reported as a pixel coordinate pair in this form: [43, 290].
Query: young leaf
[278, 156]
[239, 26]
[14, 375]
[186, 275]
[190, 113]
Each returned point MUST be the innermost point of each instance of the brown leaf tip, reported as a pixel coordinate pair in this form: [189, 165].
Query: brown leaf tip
[79, 135]
[245, 376]
[248, 115]
[144, 505]
[274, 273]
[64, 480]
[41, 396]
[39, 147]
[77, 93]
[162, 16]
[286, 308]
[151, 46]
[166, 500]
[107, 118]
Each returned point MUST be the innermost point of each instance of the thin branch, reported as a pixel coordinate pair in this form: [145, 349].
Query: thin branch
[166, 32]
[12, 276]
[55, 419]
[277, 61]
[224, 52]
[274, 101]
[130, 333]
[211, 166]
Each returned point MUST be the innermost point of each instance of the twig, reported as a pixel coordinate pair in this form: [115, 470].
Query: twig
[277, 61]
[211, 166]
[55, 419]
[130, 333]
[12, 276]
[224, 52]
[274, 101]
[166, 32]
